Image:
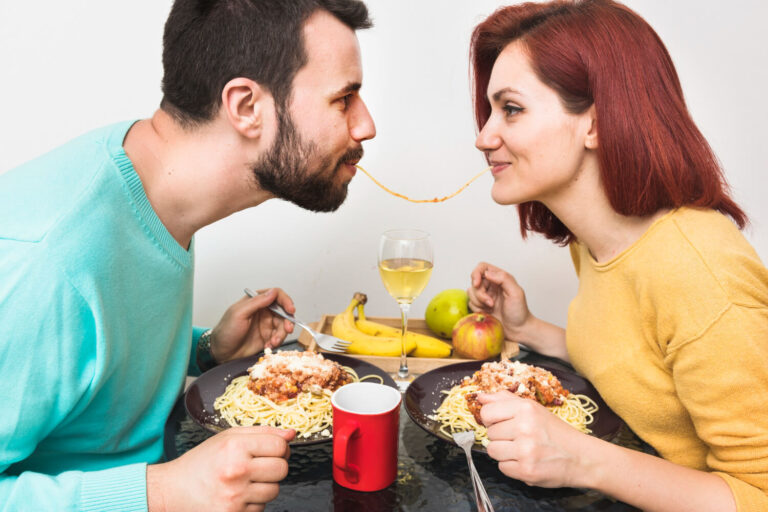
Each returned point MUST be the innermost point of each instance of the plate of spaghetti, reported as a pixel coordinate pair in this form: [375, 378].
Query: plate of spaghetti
[444, 400]
[284, 388]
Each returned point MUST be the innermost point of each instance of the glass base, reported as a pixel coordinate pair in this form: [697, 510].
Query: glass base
[402, 383]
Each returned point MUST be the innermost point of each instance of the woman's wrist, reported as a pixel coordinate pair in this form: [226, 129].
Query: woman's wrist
[528, 333]
[589, 473]
[522, 333]
[540, 336]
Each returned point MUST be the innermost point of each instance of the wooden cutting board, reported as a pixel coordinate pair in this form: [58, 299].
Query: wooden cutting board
[416, 365]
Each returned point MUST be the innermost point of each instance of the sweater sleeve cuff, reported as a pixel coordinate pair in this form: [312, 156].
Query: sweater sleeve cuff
[747, 497]
[122, 488]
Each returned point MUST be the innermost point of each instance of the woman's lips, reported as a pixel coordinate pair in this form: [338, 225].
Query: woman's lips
[498, 167]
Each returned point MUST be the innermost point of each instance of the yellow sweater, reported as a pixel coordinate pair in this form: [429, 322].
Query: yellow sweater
[673, 333]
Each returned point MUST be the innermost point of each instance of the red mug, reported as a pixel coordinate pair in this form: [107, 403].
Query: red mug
[366, 417]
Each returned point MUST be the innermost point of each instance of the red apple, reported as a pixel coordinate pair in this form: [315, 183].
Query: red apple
[478, 336]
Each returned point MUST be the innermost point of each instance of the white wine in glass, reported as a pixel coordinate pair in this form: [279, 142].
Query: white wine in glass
[405, 265]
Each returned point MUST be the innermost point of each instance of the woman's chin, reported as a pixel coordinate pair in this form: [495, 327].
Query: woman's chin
[502, 198]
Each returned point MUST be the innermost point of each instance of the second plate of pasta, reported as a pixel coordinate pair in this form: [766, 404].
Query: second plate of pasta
[428, 391]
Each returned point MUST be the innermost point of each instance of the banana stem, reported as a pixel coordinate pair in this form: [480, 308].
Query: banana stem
[403, 371]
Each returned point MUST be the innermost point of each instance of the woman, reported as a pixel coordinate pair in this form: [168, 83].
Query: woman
[582, 117]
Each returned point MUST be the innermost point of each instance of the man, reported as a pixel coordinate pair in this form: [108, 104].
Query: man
[96, 258]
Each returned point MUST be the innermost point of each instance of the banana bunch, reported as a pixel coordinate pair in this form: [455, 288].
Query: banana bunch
[376, 339]
[345, 327]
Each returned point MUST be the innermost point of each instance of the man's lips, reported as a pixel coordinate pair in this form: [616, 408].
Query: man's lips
[349, 167]
[350, 159]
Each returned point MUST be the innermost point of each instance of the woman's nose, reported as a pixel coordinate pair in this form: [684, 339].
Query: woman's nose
[488, 139]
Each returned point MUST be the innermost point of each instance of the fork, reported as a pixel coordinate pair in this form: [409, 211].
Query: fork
[465, 440]
[325, 341]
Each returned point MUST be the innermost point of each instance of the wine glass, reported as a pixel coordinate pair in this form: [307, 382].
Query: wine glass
[405, 265]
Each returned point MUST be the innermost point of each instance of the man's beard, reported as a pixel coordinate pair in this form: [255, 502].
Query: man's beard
[285, 170]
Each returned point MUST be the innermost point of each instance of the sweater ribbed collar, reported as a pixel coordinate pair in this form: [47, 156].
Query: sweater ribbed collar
[139, 196]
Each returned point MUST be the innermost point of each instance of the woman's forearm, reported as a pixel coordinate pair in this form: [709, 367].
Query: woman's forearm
[542, 337]
[650, 483]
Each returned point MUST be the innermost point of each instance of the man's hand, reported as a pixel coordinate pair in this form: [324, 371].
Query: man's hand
[247, 327]
[236, 470]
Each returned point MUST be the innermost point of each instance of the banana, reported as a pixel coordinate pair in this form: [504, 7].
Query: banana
[426, 346]
[343, 326]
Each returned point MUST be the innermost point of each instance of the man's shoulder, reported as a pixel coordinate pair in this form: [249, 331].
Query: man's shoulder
[34, 195]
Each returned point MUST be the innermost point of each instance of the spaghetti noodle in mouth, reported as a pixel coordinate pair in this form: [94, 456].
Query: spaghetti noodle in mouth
[286, 389]
[433, 200]
[460, 410]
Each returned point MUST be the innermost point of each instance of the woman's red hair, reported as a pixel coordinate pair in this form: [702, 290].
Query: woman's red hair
[651, 154]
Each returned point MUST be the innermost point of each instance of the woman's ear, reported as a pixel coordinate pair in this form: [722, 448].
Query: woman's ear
[245, 104]
[590, 141]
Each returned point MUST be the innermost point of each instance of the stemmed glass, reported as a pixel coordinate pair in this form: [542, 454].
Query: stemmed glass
[405, 265]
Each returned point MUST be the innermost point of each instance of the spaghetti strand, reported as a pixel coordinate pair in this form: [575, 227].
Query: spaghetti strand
[433, 200]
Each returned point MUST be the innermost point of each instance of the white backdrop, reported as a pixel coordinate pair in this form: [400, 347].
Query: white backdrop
[67, 67]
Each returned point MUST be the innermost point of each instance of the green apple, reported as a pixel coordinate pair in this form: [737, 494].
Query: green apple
[445, 309]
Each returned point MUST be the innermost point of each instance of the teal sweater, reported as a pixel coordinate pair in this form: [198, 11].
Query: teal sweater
[95, 329]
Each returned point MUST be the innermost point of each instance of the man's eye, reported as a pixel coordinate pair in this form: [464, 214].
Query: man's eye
[346, 100]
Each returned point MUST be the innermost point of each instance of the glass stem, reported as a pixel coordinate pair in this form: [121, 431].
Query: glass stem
[403, 371]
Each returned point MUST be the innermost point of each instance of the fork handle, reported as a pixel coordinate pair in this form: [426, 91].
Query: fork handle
[478, 500]
[481, 497]
[275, 308]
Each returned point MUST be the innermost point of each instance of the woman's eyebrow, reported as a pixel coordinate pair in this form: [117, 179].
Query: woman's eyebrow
[506, 90]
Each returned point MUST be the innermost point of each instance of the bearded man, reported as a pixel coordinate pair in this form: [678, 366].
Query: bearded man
[260, 100]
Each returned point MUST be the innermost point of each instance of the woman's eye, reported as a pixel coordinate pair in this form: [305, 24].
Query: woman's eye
[511, 110]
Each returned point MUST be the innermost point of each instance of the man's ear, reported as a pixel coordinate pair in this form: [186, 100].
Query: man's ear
[246, 105]
[590, 141]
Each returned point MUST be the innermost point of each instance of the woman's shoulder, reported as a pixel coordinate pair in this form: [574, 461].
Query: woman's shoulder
[703, 252]
[704, 226]
[708, 240]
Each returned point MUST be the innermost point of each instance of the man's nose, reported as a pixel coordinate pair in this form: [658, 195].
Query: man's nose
[361, 126]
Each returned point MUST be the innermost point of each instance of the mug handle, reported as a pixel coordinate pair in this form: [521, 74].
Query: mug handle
[341, 447]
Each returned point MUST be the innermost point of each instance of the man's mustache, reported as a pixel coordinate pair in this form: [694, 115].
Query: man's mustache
[353, 155]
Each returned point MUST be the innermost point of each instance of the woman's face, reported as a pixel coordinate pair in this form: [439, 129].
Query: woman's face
[537, 148]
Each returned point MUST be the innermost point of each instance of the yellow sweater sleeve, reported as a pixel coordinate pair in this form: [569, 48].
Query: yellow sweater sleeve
[728, 407]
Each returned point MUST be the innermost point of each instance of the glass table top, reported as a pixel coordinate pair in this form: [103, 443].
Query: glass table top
[432, 475]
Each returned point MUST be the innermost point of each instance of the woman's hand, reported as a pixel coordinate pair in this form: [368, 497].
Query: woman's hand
[530, 443]
[247, 327]
[496, 292]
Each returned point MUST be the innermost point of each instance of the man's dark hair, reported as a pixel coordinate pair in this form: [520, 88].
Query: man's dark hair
[207, 43]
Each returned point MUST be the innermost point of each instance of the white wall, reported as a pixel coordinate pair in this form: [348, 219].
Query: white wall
[67, 67]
